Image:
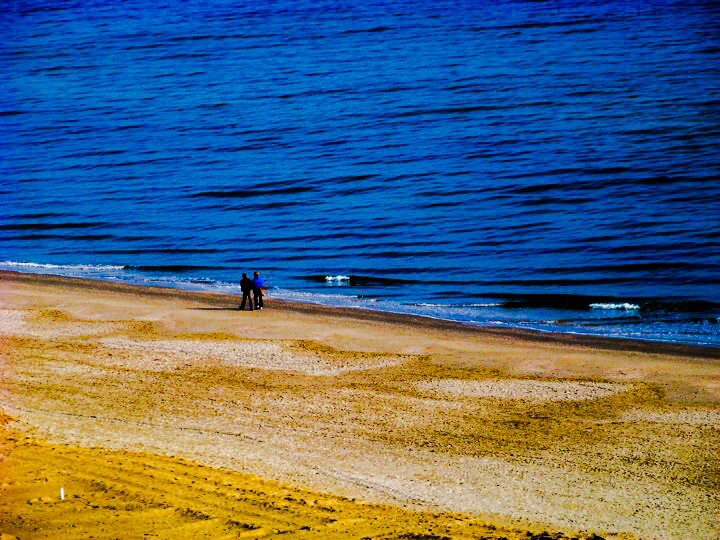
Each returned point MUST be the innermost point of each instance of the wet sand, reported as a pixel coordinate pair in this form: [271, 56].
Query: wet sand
[172, 413]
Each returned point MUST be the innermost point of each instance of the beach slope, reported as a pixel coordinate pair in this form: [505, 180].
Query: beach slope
[172, 413]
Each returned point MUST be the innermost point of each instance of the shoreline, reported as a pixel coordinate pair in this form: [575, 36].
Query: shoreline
[363, 314]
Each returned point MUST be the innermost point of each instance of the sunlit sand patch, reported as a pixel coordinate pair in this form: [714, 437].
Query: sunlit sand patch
[257, 354]
[626, 373]
[49, 324]
[693, 418]
[140, 360]
[333, 411]
[518, 389]
[60, 369]
[77, 329]
[409, 402]
[12, 321]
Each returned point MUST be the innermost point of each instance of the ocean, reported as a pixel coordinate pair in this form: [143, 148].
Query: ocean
[548, 165]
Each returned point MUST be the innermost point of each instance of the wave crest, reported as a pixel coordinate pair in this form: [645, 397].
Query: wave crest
[625, 305]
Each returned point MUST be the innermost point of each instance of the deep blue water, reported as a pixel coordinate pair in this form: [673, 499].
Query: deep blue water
[544, 164]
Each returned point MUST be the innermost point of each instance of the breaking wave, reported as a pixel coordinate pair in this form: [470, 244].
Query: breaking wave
[625, 305]
[57, 268]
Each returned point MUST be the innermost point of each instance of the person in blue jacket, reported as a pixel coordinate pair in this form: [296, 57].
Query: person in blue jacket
[258, 287]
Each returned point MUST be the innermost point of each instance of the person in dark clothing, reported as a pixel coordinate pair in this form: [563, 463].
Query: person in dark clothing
[258, 292]
[246, 286]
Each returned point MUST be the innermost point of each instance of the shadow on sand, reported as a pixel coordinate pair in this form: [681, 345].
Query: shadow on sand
[215, 309]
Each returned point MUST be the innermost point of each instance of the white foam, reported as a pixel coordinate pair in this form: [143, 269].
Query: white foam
[313, 297]
[337, 278]
[626, 306]
[61, 267]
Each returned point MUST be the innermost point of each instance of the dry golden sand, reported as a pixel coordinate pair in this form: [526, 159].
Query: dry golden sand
[174, 415]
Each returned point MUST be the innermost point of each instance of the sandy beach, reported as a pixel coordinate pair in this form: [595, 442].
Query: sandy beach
[172, 414]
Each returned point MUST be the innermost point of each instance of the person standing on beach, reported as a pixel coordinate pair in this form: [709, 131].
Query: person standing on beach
[258, 292]
[246, 286]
